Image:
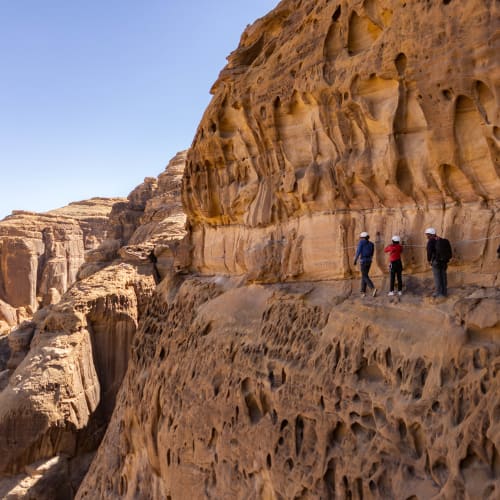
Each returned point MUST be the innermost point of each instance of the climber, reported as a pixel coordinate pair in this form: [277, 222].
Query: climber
[395, 265]
[364, 253]
[438, 255]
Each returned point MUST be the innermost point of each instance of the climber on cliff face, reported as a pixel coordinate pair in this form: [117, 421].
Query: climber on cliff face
[395, 265]
[364, 252]
[438, 255]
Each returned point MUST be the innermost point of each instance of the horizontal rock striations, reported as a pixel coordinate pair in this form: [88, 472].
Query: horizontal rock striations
[60, 371]
[259, 375]
[41, 252]
[336, 117]
[329, 119]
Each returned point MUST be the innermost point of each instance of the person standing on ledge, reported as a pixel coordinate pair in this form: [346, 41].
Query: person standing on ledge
[395, 265]
[438, 255]
[364, 253]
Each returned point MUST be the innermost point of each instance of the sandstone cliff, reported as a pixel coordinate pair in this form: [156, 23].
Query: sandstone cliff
[43, 252]
[259, 374]
[60, 372]
[148, 226]
[61, 390]
[336, 117]
[263, 377]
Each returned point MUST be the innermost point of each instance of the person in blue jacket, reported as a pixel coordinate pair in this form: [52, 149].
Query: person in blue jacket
[364, 252]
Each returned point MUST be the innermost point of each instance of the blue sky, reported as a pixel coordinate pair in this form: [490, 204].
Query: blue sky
[95, 95]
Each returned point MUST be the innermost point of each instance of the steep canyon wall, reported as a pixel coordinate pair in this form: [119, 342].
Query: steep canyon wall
[61, 370]
[260, 375]
[336, 117]
[249, 368]
[40, 252]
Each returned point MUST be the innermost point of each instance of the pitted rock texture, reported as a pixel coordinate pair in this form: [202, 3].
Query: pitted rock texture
[66, 366]
[40, 252]
[335, 117]
[298, 391]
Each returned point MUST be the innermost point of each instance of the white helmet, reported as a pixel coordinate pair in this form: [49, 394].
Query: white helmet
[395, 238]
[364, 234]
[430, 230]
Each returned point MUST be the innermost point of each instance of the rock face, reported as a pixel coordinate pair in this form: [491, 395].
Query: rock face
[149, 226]
[60, 371]
[336, 117]
[298, 391]
[8, 317]
[40, 252]
[69, 363]
[260, 375]
[329, 119]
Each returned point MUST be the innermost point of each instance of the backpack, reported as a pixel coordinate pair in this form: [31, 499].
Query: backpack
[443, 250]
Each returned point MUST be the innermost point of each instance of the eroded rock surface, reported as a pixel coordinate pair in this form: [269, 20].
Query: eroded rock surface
[69, 363]
[149, 226]
[268, 379]
[329, 119]
[336, 117]
[40, 252]
[60, 371]
[298, 391]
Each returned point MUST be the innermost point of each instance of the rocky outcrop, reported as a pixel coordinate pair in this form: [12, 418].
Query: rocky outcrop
[150, 226]
[8, 317]
[69, 363]
[299, 391]
[60, 371]
[336, 117]
[40, 252]
[262, 376]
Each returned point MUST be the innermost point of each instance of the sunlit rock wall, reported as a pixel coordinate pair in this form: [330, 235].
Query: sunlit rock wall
[60, 371]
[40, 252]
[336, 117]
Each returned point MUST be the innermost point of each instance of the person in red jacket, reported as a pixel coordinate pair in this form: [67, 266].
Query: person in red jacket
[395, 265]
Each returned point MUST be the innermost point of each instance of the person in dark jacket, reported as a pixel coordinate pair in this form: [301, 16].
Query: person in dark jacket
[395, 265]
[364, 252]
[439, 267]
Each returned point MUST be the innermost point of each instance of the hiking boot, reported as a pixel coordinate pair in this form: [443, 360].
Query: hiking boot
[390, 294]
[374, 292]
[362, 295]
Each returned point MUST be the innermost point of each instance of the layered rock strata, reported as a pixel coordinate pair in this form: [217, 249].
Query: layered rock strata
[336, 117]
[40, 252]
[329, 119]
[67, 365]
[60, 371]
